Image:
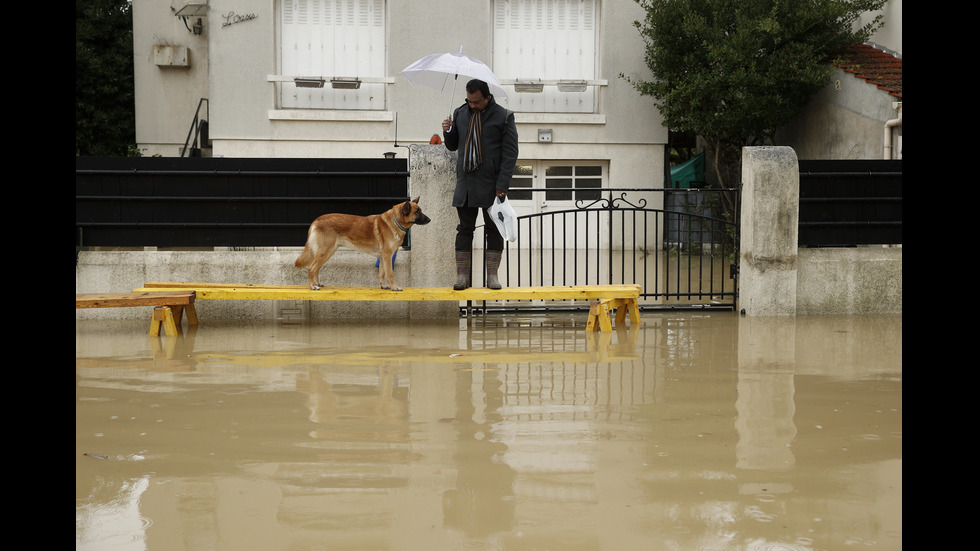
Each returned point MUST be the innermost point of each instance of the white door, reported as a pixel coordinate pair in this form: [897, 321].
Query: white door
[560, 191]
[554, 187]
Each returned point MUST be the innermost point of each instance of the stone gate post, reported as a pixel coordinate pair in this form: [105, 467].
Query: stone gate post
[768, 242]
[433, 179]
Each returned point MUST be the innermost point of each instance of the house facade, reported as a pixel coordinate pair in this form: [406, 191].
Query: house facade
[322, 78]
[858, 114]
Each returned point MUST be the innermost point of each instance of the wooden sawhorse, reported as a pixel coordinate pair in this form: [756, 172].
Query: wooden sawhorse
[168, 306]
[599, 313]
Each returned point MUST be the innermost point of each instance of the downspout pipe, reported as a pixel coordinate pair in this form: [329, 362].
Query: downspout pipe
[888, 129]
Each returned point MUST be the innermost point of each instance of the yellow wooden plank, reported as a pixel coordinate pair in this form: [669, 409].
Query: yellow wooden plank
[150, 297]
[149, 285]
[301, 292]
[622, 298]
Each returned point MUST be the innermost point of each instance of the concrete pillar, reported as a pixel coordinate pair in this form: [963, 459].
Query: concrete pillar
[769, 224]
[433, 179]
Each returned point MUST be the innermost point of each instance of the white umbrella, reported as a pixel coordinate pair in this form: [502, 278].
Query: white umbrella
[437, 70]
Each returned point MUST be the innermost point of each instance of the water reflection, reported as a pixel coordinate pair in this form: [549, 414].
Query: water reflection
[695, 430]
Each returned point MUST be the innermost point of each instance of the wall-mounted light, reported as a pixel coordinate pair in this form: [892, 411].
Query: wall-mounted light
[345, 83]
[390, 154]
[572, 86]
[302, 82]
[528, 87]
[193, 9]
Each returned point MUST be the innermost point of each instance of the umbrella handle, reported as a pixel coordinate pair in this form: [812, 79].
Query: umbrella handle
[453, 94]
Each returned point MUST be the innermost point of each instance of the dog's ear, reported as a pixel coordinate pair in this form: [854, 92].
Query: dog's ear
[416, 200]
[406, 209]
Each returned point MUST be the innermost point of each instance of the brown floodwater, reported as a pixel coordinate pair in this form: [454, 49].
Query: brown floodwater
[695, 430]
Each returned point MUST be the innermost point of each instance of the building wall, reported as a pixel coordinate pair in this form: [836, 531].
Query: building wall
[849, 281]
[890, 34]
[239, 53]
[845, 120]
[167, 95]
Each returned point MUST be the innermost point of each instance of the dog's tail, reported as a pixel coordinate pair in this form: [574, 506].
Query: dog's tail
[305, 258]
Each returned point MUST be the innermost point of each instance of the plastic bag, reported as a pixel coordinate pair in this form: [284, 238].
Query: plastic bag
[505, 218]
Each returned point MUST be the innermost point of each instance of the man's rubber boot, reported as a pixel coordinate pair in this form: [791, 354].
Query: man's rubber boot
[464, 265]
[493, 262]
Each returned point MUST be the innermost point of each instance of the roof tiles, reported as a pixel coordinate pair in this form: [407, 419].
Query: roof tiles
[873, 64]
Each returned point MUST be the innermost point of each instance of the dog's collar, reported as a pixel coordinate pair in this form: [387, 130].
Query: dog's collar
[402, 228]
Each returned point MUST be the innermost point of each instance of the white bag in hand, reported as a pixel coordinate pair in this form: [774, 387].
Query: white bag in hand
[505, 218]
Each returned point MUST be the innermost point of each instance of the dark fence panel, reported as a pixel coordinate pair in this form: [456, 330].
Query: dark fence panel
[202, 202]
[849, 203]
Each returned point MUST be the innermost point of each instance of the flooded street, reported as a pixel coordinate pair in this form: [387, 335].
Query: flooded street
[695, 430]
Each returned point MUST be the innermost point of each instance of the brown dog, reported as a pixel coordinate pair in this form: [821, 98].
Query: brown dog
[377, 235]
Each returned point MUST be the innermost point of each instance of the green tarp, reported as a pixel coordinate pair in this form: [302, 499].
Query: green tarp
[682, 175]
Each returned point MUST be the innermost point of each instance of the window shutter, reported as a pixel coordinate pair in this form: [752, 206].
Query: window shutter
[546, 40]
[332, 38]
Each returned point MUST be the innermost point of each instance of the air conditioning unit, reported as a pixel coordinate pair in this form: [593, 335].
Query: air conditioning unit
[167, 55]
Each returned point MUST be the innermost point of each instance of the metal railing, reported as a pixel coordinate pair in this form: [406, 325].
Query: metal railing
[683, 254]
[195, 129]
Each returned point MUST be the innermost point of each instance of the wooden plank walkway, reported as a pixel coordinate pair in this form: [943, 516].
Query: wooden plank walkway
[605, 298]
[168, 306]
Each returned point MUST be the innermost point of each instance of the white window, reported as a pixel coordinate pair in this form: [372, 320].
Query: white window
[551, 41]
[340, 40]
[562, 183]
[552, 186]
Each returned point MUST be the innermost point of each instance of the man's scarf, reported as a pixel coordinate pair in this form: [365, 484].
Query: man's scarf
[473, 150]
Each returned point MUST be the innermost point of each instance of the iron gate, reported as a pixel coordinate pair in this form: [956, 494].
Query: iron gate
[683, 253]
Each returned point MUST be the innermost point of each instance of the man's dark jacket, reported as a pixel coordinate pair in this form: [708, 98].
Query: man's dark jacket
[478, 188]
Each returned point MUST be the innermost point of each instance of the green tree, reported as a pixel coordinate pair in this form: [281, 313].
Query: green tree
[105, 122]
[733, 71]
